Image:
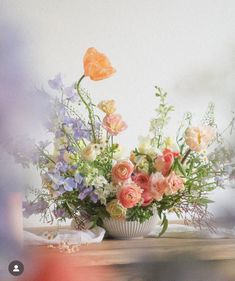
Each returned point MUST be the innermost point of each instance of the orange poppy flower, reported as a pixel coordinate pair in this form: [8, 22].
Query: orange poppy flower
[96, 65]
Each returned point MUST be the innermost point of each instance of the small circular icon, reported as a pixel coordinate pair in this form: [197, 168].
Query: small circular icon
[16, 268]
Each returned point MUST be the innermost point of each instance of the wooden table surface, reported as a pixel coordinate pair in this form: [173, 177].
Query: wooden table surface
[127, 260]
[118, 252]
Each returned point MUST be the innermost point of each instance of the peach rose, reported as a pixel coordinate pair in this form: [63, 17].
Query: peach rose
[175, 183]
[96, 65]
[198, 138]
[164, 162]
[114, 124]
[129, 195]
[122, 171]
[158, 186]
[107, 106]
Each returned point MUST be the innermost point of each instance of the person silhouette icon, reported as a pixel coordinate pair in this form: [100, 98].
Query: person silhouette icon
[16, 268]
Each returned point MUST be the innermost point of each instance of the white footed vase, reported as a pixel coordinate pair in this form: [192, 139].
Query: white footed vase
[129, 229]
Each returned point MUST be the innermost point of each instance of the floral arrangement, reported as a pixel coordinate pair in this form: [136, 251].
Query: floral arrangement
[84, 173]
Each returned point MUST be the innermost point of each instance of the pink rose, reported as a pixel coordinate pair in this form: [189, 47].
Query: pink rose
[164, 162]
[158, 186]
[114, 124]
[175, 183]
[122, 171]
[142, 180]
[129, 195]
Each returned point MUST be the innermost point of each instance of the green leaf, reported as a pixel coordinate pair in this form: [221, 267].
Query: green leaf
[205, 201]
[180, 167]
[164, 225]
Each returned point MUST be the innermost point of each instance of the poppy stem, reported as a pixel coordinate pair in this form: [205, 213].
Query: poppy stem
[90, 113]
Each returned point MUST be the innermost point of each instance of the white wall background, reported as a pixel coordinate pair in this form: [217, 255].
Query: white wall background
[186, 47]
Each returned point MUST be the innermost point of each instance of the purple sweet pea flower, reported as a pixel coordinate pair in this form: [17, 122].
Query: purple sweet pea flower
[94, 197]
[81, 133]
[61, 167]
[56, 178]
[71, 93]
[31, 208]
[59, 190]
[61, 111]
[61, 213]
[78, 178]
[85, 192]
[88, 191]
[56, 83]
[67, 120]
[61, 155]
[69, 184]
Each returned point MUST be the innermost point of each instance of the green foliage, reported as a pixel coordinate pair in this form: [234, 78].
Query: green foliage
[164, 225]
[161, 120]
[185, 123]
[209, 116]
[178, 166]
[148, 158]
[140, 214]
[193, 169]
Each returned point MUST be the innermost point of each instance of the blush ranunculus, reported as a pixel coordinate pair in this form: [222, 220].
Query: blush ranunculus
[96, 65]
[122, 171]
[129, 195]
[114, 124]
[158, 185]
[169, 185]
[175, 183]
[164, 162]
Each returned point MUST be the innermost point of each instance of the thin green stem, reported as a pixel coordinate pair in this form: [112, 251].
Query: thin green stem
[70, 138]
[90, 113]
[112, 146]
[44, 154]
